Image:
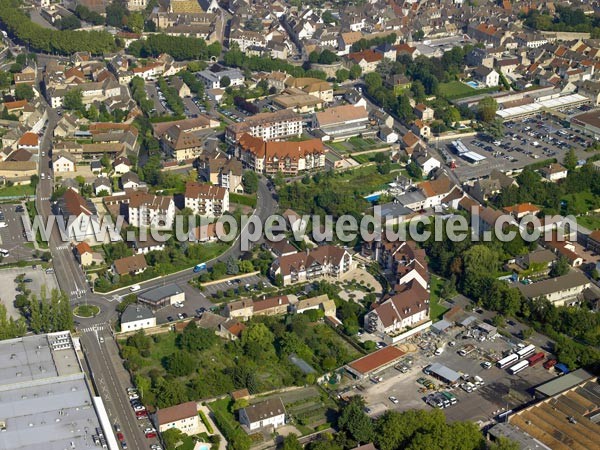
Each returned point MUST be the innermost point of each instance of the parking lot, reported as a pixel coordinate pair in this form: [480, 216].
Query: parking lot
[38, 278]
[194, 299]
[500, 390]
[242, 285]
[526, 141]
[153, 93]
[12, 236]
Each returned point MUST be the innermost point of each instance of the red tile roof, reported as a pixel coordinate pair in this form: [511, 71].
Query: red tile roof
[177, 412]
[376, 359]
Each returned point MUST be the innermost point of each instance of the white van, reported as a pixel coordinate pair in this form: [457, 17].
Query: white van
[135, 287]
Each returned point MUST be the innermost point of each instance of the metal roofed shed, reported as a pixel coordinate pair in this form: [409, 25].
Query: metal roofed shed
[443, 373]
[162, 296]
[467, 321]
[564, 383]
[441, 326]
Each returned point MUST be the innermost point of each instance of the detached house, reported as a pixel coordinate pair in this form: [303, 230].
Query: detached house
[268, 413]
[130, 265]
[486, 76]
[183, 417]
[554, 172]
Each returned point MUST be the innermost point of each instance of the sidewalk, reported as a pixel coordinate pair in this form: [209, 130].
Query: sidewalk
[208, 414]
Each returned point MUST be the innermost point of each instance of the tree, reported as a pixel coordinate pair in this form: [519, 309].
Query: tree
[116, 14]
[560, 267]
[327, 57]
[250, 182]
[180, 364]
[418, 90]
[24, 92]
[486, 109]
[172, 437]
[195, 339]
[290, 442]
[342, 75]
[414, 170]
[570, 160]
[494, 129]
[373, 81]
[73, 100]
[135, 22]
[232, 266]
[170, 393]
[355, 72]
[327, 16]
[354, 421]
[225, 81]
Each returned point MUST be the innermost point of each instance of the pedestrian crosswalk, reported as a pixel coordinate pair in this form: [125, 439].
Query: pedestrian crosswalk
[63, 247]
[94, 328]
[45, 199]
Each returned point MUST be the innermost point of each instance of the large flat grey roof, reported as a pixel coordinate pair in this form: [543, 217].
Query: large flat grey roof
[45, 402]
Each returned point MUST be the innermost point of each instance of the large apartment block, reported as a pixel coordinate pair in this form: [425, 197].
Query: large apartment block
[206, 200]
[151, 211]
[289, 158]
[268, 126]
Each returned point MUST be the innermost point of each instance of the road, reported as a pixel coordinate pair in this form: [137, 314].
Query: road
[111, 381]
[71, 278]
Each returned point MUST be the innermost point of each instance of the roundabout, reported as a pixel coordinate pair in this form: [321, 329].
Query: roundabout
[86, 311]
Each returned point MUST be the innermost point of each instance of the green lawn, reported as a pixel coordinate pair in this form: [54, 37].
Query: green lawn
[243, 199]
[86, 310]
[436, 310]
[591, 222]
[581, 202]
[17, 191]
[456, 89]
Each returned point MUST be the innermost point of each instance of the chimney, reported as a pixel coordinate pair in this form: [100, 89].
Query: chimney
[280, 301]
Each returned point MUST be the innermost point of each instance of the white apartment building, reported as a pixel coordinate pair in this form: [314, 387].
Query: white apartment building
[206, 200]
[151, 211]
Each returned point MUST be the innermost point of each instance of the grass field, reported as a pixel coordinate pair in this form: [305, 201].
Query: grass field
[581, 202]
[17, 191]
[243, 199]
[357, 144]
[591, 222]
[436, 310]
[456, 89]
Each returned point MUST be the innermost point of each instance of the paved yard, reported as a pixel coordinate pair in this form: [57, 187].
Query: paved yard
[38, 278]
[501, 390]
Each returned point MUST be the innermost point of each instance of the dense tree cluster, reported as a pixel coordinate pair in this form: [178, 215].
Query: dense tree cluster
[564, 198]
[363, 44]
[88, 16]
[258, 361]
[138, 92]
[38, 38]
[179, 47]
[413, 429]
[565, 19]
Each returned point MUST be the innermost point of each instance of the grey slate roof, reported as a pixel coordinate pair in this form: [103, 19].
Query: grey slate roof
[136, 312]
